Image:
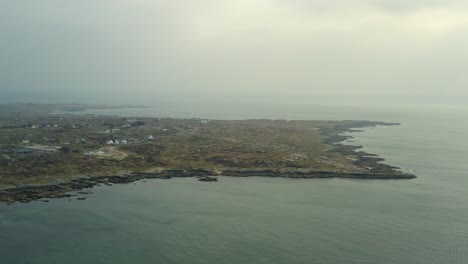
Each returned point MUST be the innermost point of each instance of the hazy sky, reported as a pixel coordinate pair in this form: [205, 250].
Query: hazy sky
[141, 49]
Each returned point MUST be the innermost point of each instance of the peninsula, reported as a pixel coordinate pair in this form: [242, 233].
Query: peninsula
[47, 151]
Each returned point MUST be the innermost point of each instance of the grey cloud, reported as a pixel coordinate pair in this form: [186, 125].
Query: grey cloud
[161, 49]
[387, 5]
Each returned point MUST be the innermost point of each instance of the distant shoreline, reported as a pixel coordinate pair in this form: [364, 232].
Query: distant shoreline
[80, 107]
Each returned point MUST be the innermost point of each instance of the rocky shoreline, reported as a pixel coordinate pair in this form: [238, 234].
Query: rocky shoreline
[62, 190]
[371, 162]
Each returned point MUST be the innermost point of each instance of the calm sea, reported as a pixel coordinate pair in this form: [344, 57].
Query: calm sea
[265, 220]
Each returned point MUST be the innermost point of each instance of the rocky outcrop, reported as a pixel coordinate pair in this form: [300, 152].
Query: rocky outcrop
[207, 179]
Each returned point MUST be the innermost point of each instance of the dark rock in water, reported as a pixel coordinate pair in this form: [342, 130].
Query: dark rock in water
[81, 198]
[165, 177]
[208, 179]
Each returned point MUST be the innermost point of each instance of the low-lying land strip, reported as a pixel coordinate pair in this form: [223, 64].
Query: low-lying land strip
[45, 153]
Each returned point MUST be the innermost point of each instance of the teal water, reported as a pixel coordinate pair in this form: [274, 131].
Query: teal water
[267, 220]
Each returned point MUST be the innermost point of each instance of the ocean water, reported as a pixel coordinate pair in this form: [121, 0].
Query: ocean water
[269, 220]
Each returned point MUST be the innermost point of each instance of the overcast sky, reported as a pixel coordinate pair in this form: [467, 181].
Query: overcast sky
[140, 49]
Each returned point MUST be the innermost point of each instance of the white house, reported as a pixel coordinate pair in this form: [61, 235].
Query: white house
[150, 137]
[110, 142]
[102, 153]
[108, 131]
[97, 153]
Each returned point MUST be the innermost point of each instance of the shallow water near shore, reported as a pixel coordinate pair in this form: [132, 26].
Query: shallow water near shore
[271, 220]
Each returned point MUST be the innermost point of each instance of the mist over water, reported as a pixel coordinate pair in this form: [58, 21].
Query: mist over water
[268, 220]
[290, 111]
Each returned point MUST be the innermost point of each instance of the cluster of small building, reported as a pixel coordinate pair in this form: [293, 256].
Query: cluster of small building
[44, 126]
[117, 142]
[70, 126]
[98, 153]
[110, 131]
[125, 141]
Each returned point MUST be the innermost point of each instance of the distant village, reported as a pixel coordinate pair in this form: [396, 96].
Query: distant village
[89, 136]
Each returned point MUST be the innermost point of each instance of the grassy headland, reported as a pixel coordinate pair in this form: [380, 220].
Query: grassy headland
[42, 145]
